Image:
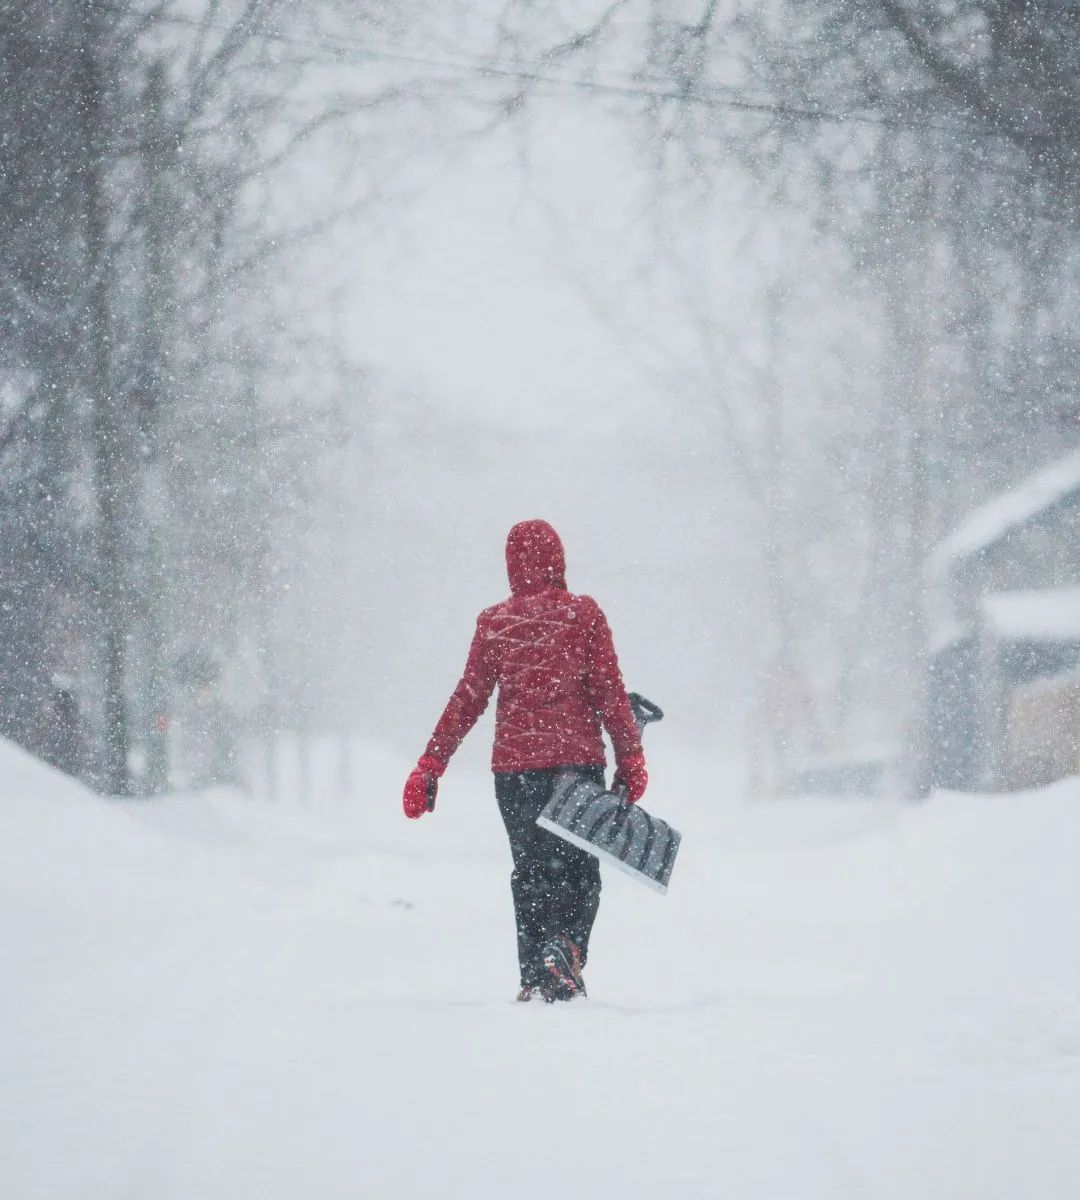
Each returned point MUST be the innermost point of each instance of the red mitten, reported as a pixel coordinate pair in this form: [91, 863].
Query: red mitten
[632, 776]
[421, 787]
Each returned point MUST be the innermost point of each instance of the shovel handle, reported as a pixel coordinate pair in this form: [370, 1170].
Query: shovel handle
[645, 712]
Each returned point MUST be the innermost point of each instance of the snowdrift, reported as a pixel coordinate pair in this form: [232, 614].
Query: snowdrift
[209, 997]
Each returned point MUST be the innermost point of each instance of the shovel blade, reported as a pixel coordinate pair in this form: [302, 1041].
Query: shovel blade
[602, 823]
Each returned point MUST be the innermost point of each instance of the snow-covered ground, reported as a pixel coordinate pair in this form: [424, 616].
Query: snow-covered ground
[206, 997]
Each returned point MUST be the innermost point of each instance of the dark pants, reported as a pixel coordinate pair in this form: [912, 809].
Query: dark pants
[556, 886]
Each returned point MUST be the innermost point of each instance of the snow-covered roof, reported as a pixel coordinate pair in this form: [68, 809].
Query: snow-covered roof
[993, 520]
[947, 634]
[1046, 615]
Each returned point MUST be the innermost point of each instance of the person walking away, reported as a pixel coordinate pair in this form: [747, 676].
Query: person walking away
[552, 656]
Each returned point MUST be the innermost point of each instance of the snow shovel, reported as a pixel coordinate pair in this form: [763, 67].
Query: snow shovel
[604, 824]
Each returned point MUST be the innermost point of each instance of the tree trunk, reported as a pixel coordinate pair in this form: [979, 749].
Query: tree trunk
[156, 335]
[107, 429]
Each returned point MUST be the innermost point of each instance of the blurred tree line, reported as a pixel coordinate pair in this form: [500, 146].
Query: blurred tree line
[909, 169]
[895, 183]
[161, 418]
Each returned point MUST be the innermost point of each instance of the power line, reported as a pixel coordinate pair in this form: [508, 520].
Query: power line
[347, 47]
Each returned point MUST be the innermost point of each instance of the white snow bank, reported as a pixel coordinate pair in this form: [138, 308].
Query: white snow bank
[205, 997]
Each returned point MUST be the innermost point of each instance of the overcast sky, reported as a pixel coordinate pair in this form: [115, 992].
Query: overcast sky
[470, 293]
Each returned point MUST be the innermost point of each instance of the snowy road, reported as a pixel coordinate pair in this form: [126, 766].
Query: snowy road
[206, 998]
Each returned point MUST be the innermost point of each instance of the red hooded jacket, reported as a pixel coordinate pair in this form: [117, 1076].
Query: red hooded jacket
[552, 656]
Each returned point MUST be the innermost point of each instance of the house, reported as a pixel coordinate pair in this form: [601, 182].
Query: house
[1002, 702]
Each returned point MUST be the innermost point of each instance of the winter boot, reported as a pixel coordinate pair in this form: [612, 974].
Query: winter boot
[562, 961]
[529, 991]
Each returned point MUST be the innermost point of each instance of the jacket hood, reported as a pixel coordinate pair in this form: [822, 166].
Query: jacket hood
[535, 559]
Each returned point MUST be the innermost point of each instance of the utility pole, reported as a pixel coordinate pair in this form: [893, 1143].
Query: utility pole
[152, 400]
[924, 433]
[110, 443]
[783, 681]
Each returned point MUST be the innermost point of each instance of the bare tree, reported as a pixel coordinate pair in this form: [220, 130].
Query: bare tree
[932, 149]
[144, 299]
